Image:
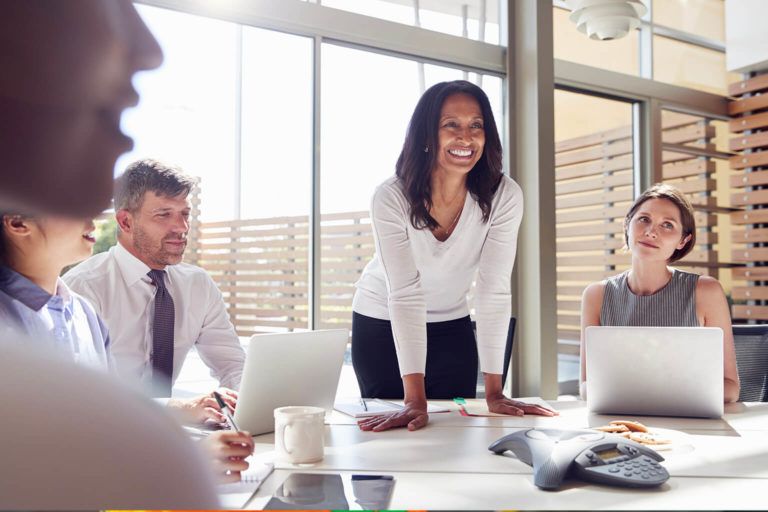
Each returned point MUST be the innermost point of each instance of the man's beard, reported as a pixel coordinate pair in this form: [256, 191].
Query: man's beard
[155, 251]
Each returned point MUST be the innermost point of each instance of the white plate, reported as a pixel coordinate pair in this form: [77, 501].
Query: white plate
[679, 441]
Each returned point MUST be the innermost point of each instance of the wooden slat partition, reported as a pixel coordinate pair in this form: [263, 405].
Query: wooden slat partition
[749, 183]
[193, 237]
[754, 84]
[262, 268]
[593, 179]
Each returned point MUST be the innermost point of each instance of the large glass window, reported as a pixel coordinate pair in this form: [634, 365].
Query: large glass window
[188, 106]
[701, 17]
[687, 65]
[594, 187]
[239, 118]
[695, 161]
[229, 109]
[276, 125]
[474, 19]
[620, 55]
[268, 288]
[679, 55]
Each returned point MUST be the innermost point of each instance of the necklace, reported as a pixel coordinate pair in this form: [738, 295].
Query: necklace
[447, 231]
[444, 232]
[455, 219]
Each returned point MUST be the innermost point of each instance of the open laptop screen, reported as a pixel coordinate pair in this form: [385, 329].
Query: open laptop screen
[293, 368]
[655, 371]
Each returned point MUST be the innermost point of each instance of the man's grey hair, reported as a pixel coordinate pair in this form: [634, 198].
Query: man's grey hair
[149, 176]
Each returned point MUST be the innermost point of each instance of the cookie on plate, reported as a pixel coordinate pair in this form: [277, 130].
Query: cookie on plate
[612, 429]
[648, 438]
[633, 426]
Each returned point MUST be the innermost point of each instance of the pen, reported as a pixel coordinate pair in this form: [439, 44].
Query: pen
[226, 411]
[365, 405]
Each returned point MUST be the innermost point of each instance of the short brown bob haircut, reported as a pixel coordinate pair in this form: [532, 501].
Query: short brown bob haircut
[670, 193]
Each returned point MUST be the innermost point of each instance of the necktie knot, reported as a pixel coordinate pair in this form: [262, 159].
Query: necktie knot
[157, 277]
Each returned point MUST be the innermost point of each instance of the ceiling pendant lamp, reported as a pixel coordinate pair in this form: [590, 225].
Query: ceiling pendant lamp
[606, 19]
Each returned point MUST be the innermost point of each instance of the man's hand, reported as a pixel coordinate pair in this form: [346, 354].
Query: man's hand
[227, 451]
[414, 416]
[204, 407]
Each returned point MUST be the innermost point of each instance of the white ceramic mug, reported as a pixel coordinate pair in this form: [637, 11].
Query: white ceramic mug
[299, 434]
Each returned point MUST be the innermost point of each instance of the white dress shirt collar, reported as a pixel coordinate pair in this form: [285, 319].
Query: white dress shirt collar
[131, 268]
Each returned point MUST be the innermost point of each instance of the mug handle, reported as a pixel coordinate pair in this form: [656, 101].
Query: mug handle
[281, 437]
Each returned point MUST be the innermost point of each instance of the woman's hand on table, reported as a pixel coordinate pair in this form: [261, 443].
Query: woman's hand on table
[500, 404]
[413, 416]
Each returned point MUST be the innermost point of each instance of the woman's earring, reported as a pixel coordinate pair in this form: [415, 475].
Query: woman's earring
[426, 149]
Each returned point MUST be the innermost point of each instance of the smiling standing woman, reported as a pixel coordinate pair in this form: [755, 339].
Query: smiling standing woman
[447, 214]
[660, 229]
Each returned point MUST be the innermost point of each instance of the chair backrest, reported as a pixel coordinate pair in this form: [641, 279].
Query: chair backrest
[507, 357]
[751, 343]
[508, 349]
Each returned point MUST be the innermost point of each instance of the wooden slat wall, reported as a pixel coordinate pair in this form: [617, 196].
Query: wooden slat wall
[347, 246]
[749, 180]
[594, 186]
[194, 225]
[262, 268]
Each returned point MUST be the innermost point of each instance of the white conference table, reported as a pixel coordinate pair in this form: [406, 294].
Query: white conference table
[713, 464]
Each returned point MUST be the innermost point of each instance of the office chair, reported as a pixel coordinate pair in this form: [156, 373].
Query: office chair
[751, 343]
[507, 357]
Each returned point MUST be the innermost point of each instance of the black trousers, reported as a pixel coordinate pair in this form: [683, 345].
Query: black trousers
[451, 359]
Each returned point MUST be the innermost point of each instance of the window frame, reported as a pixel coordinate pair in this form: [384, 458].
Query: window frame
[535, 373]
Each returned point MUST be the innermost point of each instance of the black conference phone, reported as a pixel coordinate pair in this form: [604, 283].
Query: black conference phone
[585, 454]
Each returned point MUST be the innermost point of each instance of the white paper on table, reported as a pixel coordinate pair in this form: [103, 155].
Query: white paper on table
[236, 495]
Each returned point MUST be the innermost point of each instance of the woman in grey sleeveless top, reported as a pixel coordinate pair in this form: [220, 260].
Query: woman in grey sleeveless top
[659, 229]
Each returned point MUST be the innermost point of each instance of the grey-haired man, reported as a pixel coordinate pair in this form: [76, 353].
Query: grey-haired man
[156, 307]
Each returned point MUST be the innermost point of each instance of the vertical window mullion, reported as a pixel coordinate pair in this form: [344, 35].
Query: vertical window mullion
[645, 44]
[314, 216]
[238, 182]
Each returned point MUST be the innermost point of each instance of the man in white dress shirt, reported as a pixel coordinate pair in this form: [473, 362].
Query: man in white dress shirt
[129, 286]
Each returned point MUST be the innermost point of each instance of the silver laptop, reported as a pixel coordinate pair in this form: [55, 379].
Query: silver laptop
[297, 368]
[655, 371]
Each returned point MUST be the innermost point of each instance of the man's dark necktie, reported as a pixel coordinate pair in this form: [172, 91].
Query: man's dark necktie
[162, 337]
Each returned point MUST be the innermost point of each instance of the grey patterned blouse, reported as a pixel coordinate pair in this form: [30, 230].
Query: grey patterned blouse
[672, 306]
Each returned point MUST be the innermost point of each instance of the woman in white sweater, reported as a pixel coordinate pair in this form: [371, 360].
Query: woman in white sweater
[449, 212]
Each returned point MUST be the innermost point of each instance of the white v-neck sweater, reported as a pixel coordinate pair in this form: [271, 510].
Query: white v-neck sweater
[413, 278]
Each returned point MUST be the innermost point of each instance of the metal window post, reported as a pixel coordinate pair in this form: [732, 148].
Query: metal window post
[314, 254]
[532, 149]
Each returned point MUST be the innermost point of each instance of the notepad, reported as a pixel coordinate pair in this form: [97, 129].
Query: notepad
[375, 406]
[237, 495]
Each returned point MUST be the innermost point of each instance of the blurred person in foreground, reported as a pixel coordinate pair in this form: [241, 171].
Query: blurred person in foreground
[34, 249]
[67, 70]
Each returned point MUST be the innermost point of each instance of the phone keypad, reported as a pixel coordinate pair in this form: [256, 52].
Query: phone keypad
[641, 468]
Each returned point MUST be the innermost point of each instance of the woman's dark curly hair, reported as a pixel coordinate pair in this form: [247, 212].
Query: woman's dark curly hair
[414, 165]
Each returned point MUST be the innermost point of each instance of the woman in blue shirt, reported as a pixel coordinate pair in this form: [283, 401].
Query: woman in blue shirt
[35, 300]
[33, 252]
